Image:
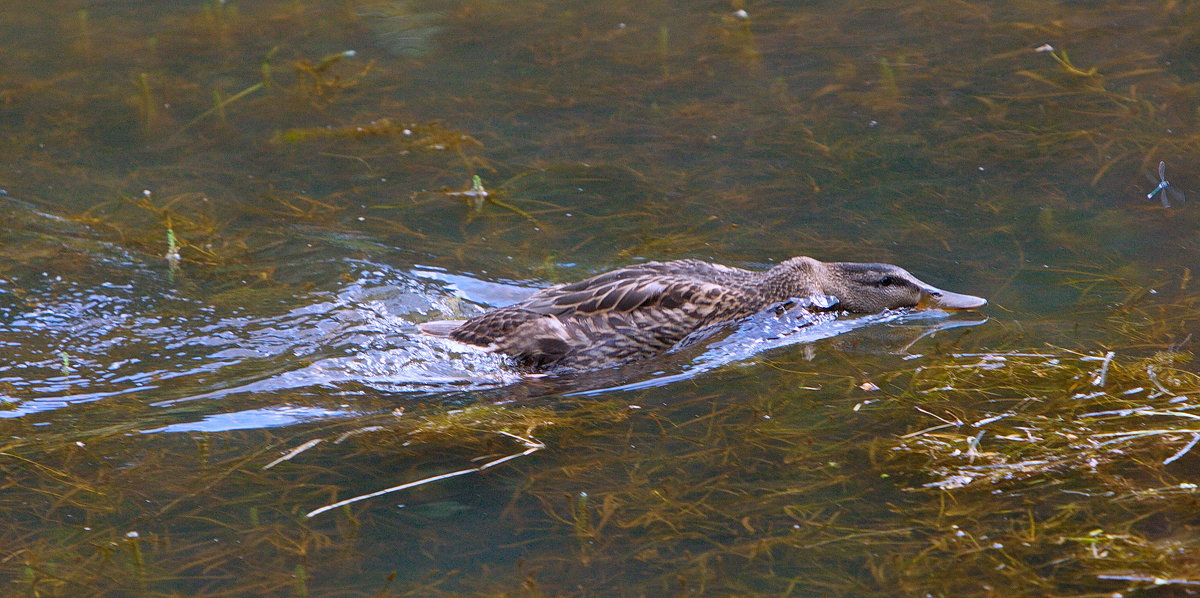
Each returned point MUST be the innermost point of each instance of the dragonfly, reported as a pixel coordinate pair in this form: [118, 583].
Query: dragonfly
[1164, 188]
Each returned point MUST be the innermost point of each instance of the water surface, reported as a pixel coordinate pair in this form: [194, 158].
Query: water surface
[169, 424]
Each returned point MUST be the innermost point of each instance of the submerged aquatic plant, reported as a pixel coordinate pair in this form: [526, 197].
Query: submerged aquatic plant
[477, 197]
[172, 255]
[321, 83]
[1050, 411]
[691, 131]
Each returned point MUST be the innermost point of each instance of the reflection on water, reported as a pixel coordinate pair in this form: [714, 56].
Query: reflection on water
[250, 419]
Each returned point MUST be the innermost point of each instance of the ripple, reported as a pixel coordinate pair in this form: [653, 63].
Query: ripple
[251, 419]
[75, 342]
[113, 324]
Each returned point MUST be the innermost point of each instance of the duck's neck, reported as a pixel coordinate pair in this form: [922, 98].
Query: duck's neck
[792, 278]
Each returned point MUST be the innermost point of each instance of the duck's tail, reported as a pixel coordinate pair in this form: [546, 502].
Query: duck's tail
[440, 327]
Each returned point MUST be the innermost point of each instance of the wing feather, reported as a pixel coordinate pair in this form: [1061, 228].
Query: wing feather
[618, 315]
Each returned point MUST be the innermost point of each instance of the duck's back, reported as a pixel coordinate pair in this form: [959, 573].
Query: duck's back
[616, 316]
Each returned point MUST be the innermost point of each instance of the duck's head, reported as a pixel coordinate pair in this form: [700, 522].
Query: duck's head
[872, 288]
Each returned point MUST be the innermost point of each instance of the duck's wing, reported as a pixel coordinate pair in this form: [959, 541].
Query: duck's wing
[666, 285]
[589, 295]
[612, 317]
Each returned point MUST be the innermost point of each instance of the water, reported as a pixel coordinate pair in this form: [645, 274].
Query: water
[335, 173]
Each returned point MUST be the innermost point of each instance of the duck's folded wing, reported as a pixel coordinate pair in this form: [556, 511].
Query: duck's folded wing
[689, 297]
[613, 320]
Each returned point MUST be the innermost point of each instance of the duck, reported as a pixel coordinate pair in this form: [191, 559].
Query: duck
[639, 311]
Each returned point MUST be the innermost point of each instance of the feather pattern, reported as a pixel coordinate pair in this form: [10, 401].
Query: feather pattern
[645, 309]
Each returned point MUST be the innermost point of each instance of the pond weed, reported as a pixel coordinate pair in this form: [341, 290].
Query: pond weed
[982, 464]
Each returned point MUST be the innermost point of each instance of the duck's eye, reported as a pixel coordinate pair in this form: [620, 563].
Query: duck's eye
[887, 281]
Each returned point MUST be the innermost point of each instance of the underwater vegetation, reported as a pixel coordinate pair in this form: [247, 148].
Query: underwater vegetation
[1053, 471]
[222, 221]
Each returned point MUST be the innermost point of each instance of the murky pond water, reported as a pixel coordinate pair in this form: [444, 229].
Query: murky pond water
[170, 424]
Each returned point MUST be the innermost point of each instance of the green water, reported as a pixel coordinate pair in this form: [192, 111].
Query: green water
[313, 163]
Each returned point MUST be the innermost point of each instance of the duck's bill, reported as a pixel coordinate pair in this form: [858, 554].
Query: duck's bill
[939, 299]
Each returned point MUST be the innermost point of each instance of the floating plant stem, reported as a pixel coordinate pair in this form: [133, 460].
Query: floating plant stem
[516, 210]
[221, 104]
[1065, 61]
[479, 193]
[331, 59]
[530, 444]
[581, 515]
[362, 497]
[1100, 377]
[321, 87]
[293, 453]
[146, 101]
[135, 551]
[1183, 451]
[477, 196]
[172, 255]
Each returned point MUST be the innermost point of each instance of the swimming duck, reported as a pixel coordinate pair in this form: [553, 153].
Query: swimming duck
[642, 310]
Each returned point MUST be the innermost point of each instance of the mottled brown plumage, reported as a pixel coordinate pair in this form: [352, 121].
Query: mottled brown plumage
[642, 310]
